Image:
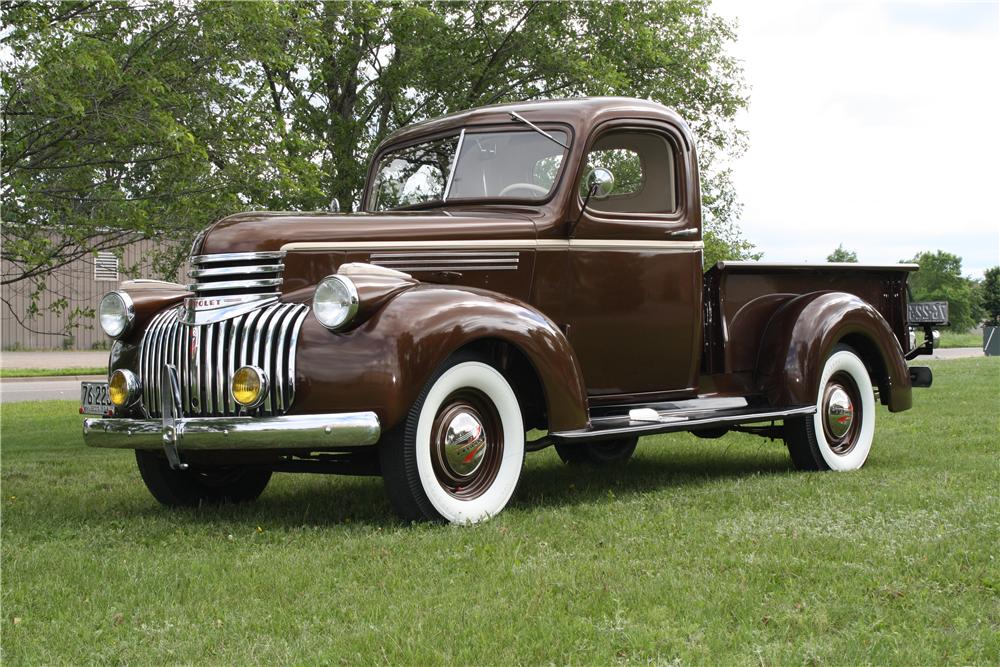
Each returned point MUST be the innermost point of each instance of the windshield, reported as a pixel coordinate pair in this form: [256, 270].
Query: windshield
[518, 165]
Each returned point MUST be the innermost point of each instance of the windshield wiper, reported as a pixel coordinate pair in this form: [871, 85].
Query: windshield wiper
[521, 119]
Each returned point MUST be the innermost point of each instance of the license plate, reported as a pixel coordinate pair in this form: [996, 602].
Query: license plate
[94, 399]
[927, 312]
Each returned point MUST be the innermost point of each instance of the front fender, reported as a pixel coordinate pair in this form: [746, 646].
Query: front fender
[384, 363]
[800, 335]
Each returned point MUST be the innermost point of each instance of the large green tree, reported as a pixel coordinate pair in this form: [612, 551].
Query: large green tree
[940, 279]
[124, 120]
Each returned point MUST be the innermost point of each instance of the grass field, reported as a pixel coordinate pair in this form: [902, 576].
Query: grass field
[49, 372]
[967, 339]
[711, 552]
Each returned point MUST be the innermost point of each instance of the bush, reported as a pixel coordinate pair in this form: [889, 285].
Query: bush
[990, 293]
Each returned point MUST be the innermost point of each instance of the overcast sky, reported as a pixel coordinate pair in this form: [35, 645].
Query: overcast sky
[874, 124]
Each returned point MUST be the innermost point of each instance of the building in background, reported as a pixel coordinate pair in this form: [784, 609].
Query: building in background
[74, 289]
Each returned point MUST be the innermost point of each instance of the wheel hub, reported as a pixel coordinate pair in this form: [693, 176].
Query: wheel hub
[839, 411]
[465, 443]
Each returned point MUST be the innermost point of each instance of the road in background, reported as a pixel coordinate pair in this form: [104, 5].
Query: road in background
[55, 359]
[13, 390]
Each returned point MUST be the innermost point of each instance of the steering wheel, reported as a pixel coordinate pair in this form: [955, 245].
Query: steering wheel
[531, 187]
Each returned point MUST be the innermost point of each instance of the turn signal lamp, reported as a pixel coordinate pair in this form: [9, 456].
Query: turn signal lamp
[249, 386]
[123, 388]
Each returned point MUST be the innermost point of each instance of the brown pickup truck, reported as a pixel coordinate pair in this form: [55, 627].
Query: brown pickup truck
[517, 268]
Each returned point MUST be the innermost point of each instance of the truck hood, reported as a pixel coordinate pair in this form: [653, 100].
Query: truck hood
[267, 230]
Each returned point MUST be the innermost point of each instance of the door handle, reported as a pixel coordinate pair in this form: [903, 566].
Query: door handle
[681, 233]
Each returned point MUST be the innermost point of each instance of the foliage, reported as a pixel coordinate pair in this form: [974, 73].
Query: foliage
[842, 254]
[696, 552]
[940, 279]
[149, 120]
[990, 293]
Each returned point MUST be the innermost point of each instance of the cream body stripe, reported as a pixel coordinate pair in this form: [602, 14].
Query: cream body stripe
[545, 244]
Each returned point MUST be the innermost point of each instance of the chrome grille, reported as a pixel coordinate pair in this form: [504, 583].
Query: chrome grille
[237, 273]
[206, 356]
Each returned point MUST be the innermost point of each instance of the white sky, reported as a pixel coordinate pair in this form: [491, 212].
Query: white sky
[875, 124]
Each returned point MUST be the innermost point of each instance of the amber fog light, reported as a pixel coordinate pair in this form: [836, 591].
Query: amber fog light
[123, 388]
[249, 386]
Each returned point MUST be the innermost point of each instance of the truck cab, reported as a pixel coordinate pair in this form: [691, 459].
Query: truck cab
[514, 268]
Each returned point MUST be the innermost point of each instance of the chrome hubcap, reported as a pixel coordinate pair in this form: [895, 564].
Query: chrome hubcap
[465, 443]
[839, 412]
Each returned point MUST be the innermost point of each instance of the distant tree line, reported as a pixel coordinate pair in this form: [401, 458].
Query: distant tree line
[129, 120]
[970, 302]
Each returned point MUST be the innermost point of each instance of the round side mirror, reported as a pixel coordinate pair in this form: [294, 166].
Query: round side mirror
[600, 183]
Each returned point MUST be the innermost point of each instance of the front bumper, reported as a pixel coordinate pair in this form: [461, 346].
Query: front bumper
[316, 432]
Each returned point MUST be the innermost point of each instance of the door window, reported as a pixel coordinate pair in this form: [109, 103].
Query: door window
[643, 166]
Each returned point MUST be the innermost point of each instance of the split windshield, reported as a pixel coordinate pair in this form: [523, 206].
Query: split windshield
[511, 165]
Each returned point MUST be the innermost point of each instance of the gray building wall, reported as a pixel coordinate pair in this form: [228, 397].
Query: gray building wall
[82, 286]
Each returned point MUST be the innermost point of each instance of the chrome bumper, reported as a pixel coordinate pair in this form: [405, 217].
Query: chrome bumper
[175, 433]
[347, 429]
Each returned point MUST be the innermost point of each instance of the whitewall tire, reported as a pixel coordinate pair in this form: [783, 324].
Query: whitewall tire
[458, 456]
[839, 436]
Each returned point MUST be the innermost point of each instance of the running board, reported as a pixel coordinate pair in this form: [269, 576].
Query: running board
[647, 421]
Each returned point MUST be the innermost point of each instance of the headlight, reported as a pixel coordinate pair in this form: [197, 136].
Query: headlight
[123, 388]
[336, 302]
[249, 386]
[116, 313]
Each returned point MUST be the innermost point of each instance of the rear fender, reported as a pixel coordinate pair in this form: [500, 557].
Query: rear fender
[384, 363]
[800, 336]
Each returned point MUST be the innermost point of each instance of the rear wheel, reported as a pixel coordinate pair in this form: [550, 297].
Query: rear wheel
[458, 456]
[602, 452]
[839, 436]
[192, 487]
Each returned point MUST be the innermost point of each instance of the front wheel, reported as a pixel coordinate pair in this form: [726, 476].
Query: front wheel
[458, 455]
[839, 436]
[209, 486]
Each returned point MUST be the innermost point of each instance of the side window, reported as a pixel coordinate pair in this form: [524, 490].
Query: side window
[643, 166]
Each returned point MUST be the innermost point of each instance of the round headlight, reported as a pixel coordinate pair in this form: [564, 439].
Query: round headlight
[249, 386]
[116, 313]
[336, 302]
[123, 388]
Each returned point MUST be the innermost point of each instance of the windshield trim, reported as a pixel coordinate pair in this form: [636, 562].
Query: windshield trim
[454, 166]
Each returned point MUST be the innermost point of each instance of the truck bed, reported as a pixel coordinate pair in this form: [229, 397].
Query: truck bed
[741, 297]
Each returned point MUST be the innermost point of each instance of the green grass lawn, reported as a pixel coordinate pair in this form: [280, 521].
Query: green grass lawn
[952, 339]
[50, 372]
[697, 551]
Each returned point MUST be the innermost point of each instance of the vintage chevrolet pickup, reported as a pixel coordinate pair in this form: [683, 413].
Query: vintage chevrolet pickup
[522, 267]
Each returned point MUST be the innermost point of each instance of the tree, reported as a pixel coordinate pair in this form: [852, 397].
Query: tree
[130, 120]
[990, 291]
[940, 279]
[841, 254]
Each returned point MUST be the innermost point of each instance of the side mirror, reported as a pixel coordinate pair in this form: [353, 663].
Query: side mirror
[600, 183]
